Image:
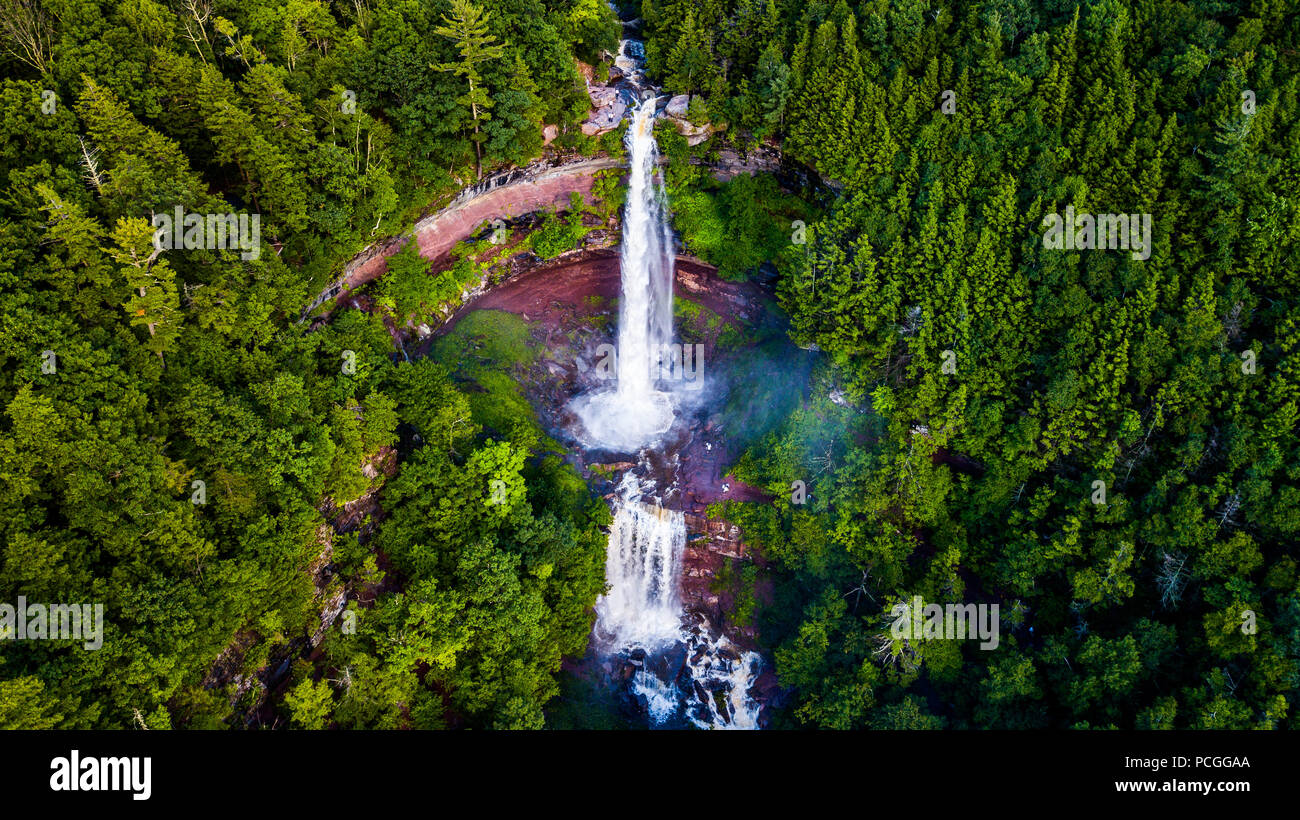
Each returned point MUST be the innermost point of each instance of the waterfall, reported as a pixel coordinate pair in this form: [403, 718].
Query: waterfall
[684, 675]
[645, 315]
[642, 565]
[635, 413]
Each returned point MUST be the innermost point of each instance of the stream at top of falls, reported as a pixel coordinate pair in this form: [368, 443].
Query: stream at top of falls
[685, 672]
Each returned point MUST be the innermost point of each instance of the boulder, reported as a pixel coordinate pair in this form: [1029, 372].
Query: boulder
[695, 134]
[549, 133]
[602, 95]
[606, 119]
[677, 105]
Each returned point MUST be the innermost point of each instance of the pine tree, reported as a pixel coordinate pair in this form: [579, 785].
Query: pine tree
[467, 27]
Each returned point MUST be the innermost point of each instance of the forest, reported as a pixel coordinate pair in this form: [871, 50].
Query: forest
[1104, 445]
[166, 370]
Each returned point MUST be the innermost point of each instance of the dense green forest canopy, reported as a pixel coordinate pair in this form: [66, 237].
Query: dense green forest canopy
[129, 375]
[986, 386]
[1103, 445]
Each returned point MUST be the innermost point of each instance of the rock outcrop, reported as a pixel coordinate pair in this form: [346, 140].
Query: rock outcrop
[675, 111]
[607, 109]
[604, 119]
[709, 544]
[730, 163]
[510, 193]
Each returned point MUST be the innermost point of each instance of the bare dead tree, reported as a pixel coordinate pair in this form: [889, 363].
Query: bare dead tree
[889, 654]
[1171, 578]
[1081, 623]
[860, 590]
[1230, 508]
[90, 164]
[362, 12]
[1018, 493]
[28, 33]
[912, 321]
[1142, 449]
[826, 459]
[344, 681]
[195, 21]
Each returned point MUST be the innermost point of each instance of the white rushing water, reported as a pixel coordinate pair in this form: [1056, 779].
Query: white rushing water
[721, 677]
[634, 414]
[631, 54]
[684, 672]
[643, 563]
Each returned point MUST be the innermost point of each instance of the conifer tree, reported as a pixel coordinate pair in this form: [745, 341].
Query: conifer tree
[467, 27]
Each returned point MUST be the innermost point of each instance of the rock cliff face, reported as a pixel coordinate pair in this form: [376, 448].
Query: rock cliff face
[544, 184]
[561, 298]
[708, 542]
[731, 164]
[504, 195]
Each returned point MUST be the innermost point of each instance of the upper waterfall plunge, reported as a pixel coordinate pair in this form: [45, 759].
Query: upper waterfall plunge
[634, 413]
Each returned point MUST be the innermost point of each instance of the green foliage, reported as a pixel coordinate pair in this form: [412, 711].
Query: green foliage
[592, 28]
[406, 290]
[1171, 605]
[467, 28]
[608, 190]
[1162, 607]
[735, 226]
[23, 705]
[309, 704]
[556, 235]
[172, 460]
